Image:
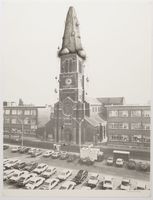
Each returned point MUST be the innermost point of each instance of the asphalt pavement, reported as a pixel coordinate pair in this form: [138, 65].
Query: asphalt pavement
[99, 167]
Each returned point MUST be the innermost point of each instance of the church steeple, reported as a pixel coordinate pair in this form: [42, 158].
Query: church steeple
[71, 38]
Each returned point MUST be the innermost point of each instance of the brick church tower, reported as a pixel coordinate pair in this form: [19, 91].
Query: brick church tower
[71, 109]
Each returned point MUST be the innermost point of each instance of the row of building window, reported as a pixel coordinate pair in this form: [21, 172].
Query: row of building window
[16, 121]
[96, 109]
[125, 113]
[125, 138]
[20, 112]
[70, 66]
[134, 126]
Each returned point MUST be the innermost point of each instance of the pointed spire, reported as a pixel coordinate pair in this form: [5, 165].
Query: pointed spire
[71, 39]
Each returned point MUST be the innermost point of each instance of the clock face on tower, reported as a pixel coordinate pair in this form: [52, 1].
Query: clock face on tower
[68, 81]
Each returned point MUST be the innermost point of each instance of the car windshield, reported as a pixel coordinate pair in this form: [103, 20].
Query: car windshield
[62, 188]
[125, 183]
[31, 182]
[62, 173]
[48, 170]
[39, 167]
[93, 177]
[15, 175]
[108, 182]
[22, 178]
[53, 182]
[46, 183]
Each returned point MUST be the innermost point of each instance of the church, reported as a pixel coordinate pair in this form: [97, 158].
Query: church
[73, 120]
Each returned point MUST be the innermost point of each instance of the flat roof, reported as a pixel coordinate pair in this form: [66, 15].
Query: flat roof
[128, 105]
[18, 107]
[123, 152]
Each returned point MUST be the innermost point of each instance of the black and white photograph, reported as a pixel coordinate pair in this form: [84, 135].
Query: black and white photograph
[76, 95]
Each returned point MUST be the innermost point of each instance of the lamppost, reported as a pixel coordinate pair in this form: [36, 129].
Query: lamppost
[79, 123]
[22, 128]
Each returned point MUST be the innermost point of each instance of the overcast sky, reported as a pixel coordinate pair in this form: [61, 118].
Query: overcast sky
[115, 35]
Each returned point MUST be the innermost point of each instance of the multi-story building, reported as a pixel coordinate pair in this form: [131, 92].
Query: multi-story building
[20, 118]
[128, 124]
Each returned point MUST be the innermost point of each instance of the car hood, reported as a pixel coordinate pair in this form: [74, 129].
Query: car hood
[61, 176]
[29, 186]
[123, 187]
[92, 181]
[14, 178]
[107, 185]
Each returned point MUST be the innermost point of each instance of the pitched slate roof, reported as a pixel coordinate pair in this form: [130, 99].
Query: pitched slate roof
[95, 120]
[112, 100]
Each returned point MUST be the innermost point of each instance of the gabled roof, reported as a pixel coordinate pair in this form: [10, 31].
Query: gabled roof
[95, 120]
[93, 101]
[112, 100]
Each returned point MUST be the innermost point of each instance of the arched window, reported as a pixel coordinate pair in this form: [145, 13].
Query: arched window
[66, 66]
[70, 66]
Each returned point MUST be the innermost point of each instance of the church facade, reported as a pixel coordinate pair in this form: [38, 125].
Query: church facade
[72, 123]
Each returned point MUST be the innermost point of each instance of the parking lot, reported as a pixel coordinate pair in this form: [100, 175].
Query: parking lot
[117, 174]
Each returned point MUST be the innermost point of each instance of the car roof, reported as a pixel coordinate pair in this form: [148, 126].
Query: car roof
[126, 179]
[67, 183]
[51, 168]
[36, 178]
[141, 184]
[41, 164]
[65, 170]
[94, 174]
[108, 178]
[51, 179]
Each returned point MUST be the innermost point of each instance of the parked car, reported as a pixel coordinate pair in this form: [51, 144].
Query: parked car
[64, 155]
[80, 177]
[85, 188]
[24, 149]
[36, 153]
[49, 184]
[68, 185]
[110, 161]
[34, 183]
[64, 174]
[7, 160]
[31, 150]
[71, 158]
[8, 173]
[125, 184]
[93, 180]
[16, 176]
[55, 155]
[31, 166]
[5, 147]
[49, 172]
[86, 161]
[48, 153]
[119, 162]
[11, 163]
[131, 164]
[40, 168]
[24, 179]
[108, 183]
[143, 166]
[20, 165]
[141, 186]
[15, 149]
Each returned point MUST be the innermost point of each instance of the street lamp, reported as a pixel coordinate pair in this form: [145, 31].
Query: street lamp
[22, 128]
[79, 123]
